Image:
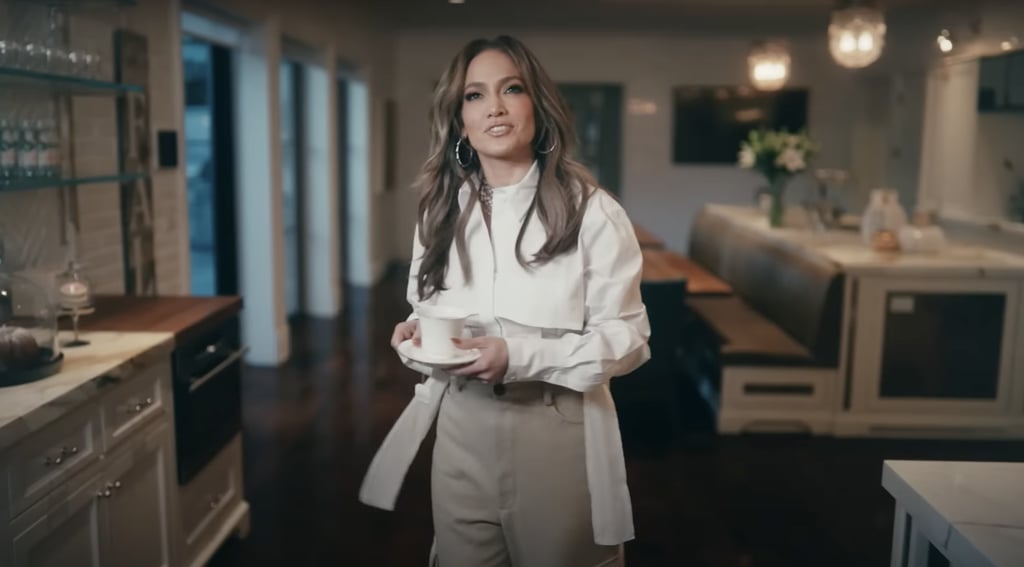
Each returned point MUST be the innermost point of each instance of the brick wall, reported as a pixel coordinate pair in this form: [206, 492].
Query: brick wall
[30, 226]
[31, 221]
[159, 20]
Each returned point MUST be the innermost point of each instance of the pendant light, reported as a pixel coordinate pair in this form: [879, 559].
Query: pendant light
[768, 63]
[856, 34]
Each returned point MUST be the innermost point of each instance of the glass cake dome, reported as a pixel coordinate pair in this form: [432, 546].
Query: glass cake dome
[29, 349]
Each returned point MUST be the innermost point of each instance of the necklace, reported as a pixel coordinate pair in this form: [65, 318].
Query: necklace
[486, 197]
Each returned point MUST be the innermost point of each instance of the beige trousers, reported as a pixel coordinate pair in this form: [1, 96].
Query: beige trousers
[509, 481]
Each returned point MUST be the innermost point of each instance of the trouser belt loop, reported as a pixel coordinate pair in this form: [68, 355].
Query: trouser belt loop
[548, 399]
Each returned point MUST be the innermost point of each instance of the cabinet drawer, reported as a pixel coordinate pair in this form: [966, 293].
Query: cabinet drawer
[51, 456]
[211, 494]
[134, 404]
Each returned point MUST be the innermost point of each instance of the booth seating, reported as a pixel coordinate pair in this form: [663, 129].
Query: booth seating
[775, 342]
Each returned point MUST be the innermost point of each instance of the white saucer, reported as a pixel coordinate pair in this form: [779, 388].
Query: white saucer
[409, 350]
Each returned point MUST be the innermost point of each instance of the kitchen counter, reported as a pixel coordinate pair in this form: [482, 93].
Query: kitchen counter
[970, 511]
[86, 372]
[846, 249]
[182, 316]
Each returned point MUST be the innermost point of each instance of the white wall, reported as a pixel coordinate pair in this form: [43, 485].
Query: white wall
[359, 37]
[323, 293]
[951, 124]
[327, 34]
[1000, 139]
[658, 194]
[962, 172]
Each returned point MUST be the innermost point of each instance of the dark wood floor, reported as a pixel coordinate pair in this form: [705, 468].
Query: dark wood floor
[312, 426]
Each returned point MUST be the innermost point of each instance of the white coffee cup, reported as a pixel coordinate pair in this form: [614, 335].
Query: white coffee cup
[438, 326]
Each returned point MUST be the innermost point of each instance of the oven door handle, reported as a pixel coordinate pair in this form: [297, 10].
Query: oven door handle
[196, 383]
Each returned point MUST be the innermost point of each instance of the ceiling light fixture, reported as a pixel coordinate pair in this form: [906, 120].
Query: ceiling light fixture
[856, 35]
[945, 41]
[768, 63]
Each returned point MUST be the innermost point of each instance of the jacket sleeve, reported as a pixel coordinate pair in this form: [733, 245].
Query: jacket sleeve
[613, 341]
[412, 296]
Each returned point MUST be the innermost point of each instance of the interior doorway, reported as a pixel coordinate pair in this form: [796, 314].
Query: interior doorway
[210, 167]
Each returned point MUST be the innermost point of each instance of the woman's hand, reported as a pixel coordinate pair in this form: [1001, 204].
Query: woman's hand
[404, 331]
[492, 364]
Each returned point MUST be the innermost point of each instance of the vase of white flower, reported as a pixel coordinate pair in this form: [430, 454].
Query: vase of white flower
[776, 189]
[778, 155]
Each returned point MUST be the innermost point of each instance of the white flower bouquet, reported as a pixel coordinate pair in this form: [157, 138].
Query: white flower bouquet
[778, 155]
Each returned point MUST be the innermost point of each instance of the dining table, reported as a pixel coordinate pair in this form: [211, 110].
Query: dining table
[662, 265]
[646, 238]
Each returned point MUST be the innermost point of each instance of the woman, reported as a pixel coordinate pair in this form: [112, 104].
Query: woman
[527, 466]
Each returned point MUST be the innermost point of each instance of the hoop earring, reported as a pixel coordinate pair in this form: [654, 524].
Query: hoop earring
[554, 144]
[458, 154]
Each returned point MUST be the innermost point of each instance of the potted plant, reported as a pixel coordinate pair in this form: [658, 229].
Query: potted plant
[778, 155]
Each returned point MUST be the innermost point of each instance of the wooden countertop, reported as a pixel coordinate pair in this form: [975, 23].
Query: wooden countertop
[665, 265]
[184, 316]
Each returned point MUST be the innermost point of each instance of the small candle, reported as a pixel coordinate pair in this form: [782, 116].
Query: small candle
[73, 288]
[74, 294]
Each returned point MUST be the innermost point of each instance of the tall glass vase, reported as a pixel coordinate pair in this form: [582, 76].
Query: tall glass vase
[776, 190]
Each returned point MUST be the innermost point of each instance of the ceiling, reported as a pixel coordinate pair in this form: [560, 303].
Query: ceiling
[711, 16]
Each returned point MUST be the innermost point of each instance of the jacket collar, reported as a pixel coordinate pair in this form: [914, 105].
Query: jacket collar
[516, 197]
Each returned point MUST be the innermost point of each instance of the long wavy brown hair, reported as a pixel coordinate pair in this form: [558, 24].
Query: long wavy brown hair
[562, 190]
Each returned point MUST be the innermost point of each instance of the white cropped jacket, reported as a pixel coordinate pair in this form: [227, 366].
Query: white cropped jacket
[576, 322]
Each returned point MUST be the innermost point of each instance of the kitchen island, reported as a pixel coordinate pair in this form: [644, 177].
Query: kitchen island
[930, 344]
[107, 462]
[970, 512]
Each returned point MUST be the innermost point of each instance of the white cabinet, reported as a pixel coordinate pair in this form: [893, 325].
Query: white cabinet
[111, 500]
[936, 357]
[139, 501]
[212, 506]
[59, 531]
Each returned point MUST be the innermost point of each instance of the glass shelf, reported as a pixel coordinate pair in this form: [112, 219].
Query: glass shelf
[79, 5]
[63, 84]
[45, 183]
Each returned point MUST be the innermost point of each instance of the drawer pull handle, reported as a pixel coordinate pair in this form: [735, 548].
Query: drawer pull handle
[139, 407]
[59, 459]
[196, 383]
[108, 491]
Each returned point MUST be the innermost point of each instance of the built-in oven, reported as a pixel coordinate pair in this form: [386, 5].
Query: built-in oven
[207, 395]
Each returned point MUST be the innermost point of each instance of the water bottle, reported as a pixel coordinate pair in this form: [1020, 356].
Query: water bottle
[48, 164]
[8, 152]
[28, 151]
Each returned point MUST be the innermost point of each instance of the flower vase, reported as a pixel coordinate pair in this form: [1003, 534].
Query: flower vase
[777, 210]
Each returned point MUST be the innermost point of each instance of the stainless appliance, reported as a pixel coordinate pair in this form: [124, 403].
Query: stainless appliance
[207, 395]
